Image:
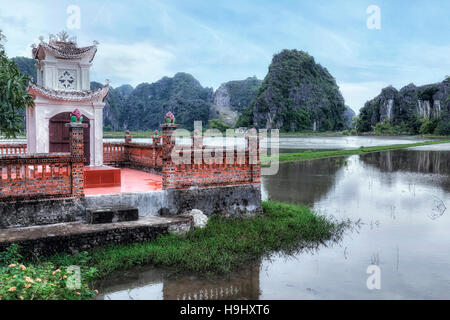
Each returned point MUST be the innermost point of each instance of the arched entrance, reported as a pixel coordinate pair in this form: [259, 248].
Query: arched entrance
[59, 135]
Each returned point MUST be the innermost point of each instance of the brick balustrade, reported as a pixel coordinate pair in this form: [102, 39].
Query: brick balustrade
[35, 176]
[113, 153]
[135, 155]
[201, 166]
[13, 149]
[43, 175]
[28, 176]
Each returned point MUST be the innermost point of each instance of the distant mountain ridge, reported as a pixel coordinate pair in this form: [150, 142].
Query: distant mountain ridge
[310, 101]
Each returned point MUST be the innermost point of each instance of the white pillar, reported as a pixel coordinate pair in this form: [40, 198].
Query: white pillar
[31, 129]
[98, 133]
[42, 135]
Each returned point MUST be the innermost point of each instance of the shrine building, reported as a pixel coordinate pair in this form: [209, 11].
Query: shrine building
[63, 85]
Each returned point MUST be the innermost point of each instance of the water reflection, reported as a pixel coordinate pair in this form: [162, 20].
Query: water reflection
[402, 199]
[302, 182]
[153, 283]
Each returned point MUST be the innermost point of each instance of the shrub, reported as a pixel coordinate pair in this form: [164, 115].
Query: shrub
[427, 93]
[20, 281]
[428, 126]
[443, 128]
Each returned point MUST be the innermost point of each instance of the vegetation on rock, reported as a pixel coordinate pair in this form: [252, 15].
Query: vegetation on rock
[412, 110]
[232, 98]
[297, 94]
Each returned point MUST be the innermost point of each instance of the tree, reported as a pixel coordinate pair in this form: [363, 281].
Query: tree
[13, 95]
[217, 124]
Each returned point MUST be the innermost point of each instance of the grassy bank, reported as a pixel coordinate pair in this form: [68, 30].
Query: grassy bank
[225, 244]
[310, 155]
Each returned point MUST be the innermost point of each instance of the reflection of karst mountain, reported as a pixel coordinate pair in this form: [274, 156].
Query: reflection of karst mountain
[303, 182]
[413, 161]
[410, 161]
[242, 284]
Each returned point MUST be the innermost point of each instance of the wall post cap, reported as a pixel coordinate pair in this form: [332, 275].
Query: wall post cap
[169, 125]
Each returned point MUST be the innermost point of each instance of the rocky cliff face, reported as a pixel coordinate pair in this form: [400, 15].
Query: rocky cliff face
[297, 94]
[147, 104]
[407, 106]
[232, 98]
[348, 116]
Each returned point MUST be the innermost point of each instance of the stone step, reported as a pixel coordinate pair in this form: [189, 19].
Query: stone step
[111, 214]
[74, 237]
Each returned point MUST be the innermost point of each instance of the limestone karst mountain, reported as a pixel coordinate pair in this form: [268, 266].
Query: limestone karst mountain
[232, 98]
[417, 109]
[297, 94]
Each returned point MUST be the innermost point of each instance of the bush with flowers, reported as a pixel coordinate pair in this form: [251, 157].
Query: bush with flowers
[44, 281]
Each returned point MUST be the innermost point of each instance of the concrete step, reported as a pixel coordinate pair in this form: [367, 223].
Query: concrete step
[74, 237]
[111, 214]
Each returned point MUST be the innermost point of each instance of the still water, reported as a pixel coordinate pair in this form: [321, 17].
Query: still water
[295, 144]
[402, 202]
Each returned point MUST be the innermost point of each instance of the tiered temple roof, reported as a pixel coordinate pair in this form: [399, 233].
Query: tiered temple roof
[85, 95]
[61, 46]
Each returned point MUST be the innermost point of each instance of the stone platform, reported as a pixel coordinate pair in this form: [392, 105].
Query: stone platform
[73, 237]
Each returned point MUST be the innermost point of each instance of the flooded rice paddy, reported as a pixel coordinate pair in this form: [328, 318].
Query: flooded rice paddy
[400, 201]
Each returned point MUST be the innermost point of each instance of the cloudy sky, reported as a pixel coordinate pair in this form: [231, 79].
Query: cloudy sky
[218, 41]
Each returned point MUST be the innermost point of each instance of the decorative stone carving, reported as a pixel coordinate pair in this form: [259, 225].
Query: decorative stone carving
[67, 79]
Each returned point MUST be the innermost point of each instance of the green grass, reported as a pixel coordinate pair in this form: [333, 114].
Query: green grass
[225, 243]
[222, 246]
[311, 155]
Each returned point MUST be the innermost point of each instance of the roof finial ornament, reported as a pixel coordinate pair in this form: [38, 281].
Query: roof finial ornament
[51, 38]
[63, 36]
[96, 43]
[107, 82]
[41, 38]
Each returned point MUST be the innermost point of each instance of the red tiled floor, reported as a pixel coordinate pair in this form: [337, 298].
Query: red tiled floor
[132, 181]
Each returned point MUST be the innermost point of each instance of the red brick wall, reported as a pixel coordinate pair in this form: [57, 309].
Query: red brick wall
[141, 155]
[146, 156]
[41, 176]
[35, 176]
[204, 172]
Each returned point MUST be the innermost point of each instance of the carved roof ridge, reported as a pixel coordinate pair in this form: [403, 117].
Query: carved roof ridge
[66, 50]
[83, 95]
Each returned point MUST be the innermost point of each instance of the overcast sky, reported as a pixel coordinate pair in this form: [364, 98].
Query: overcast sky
[218, 41]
